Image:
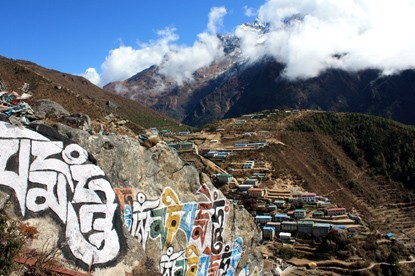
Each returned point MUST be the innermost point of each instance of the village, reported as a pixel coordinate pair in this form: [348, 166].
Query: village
[285, 213]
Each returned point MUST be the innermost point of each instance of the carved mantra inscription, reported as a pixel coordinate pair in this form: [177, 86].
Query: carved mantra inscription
[205, 252]
[48, 175]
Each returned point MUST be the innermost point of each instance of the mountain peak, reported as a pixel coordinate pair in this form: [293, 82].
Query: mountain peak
[257, 26]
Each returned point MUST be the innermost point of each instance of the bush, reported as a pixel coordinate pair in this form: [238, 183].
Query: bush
[11, 241]
[285, 252]
[28, 232]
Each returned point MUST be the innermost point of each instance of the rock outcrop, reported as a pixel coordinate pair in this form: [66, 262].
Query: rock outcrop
[49, 108]
[158, 214]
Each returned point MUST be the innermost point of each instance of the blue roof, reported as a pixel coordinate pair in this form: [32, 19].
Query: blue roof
[321, 225]
[302, 222]
[289, 222]
[281, 215]
[269, 228]
[318, 212]
[264, 217]
[390, 234]
[340, 226]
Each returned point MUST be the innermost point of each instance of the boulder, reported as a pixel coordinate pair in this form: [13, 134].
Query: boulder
[49, 109]
[81, 121]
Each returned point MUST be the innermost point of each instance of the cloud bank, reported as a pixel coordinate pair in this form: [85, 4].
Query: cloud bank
[309, 36]
[175, 61]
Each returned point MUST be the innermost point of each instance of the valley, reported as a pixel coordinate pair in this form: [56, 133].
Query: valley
[321, 192]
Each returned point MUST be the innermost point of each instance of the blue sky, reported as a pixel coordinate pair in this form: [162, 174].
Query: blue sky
[72, 35]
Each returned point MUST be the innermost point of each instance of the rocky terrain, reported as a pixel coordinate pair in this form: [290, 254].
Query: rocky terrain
[78, 95]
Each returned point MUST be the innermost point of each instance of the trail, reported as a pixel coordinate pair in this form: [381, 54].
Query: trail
[283, 123]
[320, 265]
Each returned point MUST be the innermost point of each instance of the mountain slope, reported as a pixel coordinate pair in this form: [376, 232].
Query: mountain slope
[246, 88]
[233, 85]
[77, 94]
[360, 162]
[385, 145]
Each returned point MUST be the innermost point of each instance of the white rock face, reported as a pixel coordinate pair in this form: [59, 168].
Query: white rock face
[57, 178]
[137, 199]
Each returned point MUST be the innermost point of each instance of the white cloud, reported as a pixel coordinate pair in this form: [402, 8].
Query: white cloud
[175, 61]
[249, 11]
[216, 19]
[120, 89]
[125, 61]
[183, 61]
[92, 75]
[307, 34]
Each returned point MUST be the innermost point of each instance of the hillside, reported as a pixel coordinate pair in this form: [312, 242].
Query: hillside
[360, 162]
[78, 95]
[386, 146]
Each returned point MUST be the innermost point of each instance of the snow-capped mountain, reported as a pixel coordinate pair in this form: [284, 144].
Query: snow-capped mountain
[234, 84]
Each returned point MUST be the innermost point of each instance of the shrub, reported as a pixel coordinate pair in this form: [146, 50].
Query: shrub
[28, 232]
[10, 243]
[285, 252]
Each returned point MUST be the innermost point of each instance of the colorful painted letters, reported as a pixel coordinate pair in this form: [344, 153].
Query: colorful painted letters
[55, 176]
[203, 224]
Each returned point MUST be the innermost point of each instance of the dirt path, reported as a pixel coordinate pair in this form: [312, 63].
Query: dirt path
[323, 265]
[282, 124]
[375, 264]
